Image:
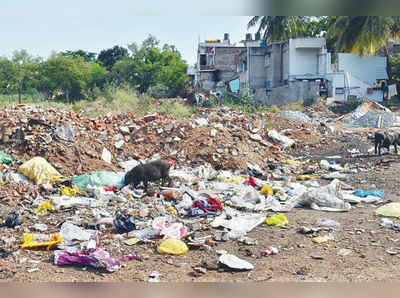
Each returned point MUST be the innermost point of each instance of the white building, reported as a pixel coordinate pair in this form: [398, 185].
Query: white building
[358, 76]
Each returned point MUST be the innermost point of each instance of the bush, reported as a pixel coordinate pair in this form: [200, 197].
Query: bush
[309, 100]
[346, 107]
[160, 91]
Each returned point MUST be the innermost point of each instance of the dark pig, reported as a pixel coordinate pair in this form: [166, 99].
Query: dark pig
[385, 139]
[151, 171]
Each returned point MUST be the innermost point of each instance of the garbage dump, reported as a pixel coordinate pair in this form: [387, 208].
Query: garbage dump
[237, 189]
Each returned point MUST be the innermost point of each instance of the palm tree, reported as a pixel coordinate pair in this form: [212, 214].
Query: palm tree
[276, 28]
[365, 34]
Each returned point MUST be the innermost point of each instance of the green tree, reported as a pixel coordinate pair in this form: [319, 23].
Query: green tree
[277, 28]
[110, 56]
[72, 76]
[150, 65]
[87, 56]
[6, 75]
[365, 34]
[22, 73]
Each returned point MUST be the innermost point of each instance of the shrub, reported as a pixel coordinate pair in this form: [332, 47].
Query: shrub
[160, 91]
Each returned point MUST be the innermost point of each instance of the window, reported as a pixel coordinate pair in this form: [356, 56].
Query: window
[267, 61]
[339, 90]
[240, 67]
[203, 59]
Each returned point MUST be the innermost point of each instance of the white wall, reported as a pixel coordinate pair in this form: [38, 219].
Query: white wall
[352, 86]
[366, 68]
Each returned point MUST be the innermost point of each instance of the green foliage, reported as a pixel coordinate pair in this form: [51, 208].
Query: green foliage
[76, 75]
[71, 78]
[395, 65]
[159, 91]
[363, 34]
[346, 107]
[110, 56]
[87, 56]
[309, 101]
[153, 67]
[19, 74]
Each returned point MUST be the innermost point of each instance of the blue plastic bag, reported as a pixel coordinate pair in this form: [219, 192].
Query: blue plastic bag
[99, 179]
[364, 194]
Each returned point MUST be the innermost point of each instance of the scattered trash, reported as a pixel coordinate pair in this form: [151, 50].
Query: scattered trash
[270, 250]
[389, 210]
[322, 239]
[12, 221]
[43, 208]
[248, 240]
[329, 223]
[344, 252]
[3, 253]
[124, 223]
[282, 140]
[279, 220]
[373, 193]
[39, 170]
[172, 246]
[41, 241]
[106, 155]
[5, 158]
[97, 258]
[324, 198]
[234, 262]
[154, 276]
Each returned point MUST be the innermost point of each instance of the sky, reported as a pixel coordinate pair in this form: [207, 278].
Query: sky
[43, 26]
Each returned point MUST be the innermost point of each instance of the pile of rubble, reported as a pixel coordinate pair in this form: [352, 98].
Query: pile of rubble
[63, 190]
[73, 144]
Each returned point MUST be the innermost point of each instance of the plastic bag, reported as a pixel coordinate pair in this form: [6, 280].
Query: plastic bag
[97, 258]
[266, 189]
[364, 194]
[39, 170]
[325, 198]
[5, 158]
[70, 232]
[124, 223]
[43, 208]
[239, 223]
[279, 220]
[69, 191]
[172, 246]
[12, 221]
[282, 140]
[99, 179]
[305, 177]
[39, 240]
[174, 230]
[390, 210]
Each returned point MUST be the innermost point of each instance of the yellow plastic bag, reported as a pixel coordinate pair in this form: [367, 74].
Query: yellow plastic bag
[235, 180]
[389, 210]
[278, 220]
[296, 162]
[69, 191]
[267, 189]
[39, 170]
[34, 241]
[305, 177]
[43, 207]
[173, 247]
[172, 210]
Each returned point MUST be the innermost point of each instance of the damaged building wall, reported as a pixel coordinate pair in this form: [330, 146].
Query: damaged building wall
[293, 92]
[257, 68]
[220, 65]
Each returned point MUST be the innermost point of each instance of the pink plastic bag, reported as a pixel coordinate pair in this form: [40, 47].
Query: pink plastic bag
[97, 258]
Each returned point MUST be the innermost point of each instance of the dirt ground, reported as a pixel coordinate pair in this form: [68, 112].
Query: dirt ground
[299, 259]
[362, 250]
